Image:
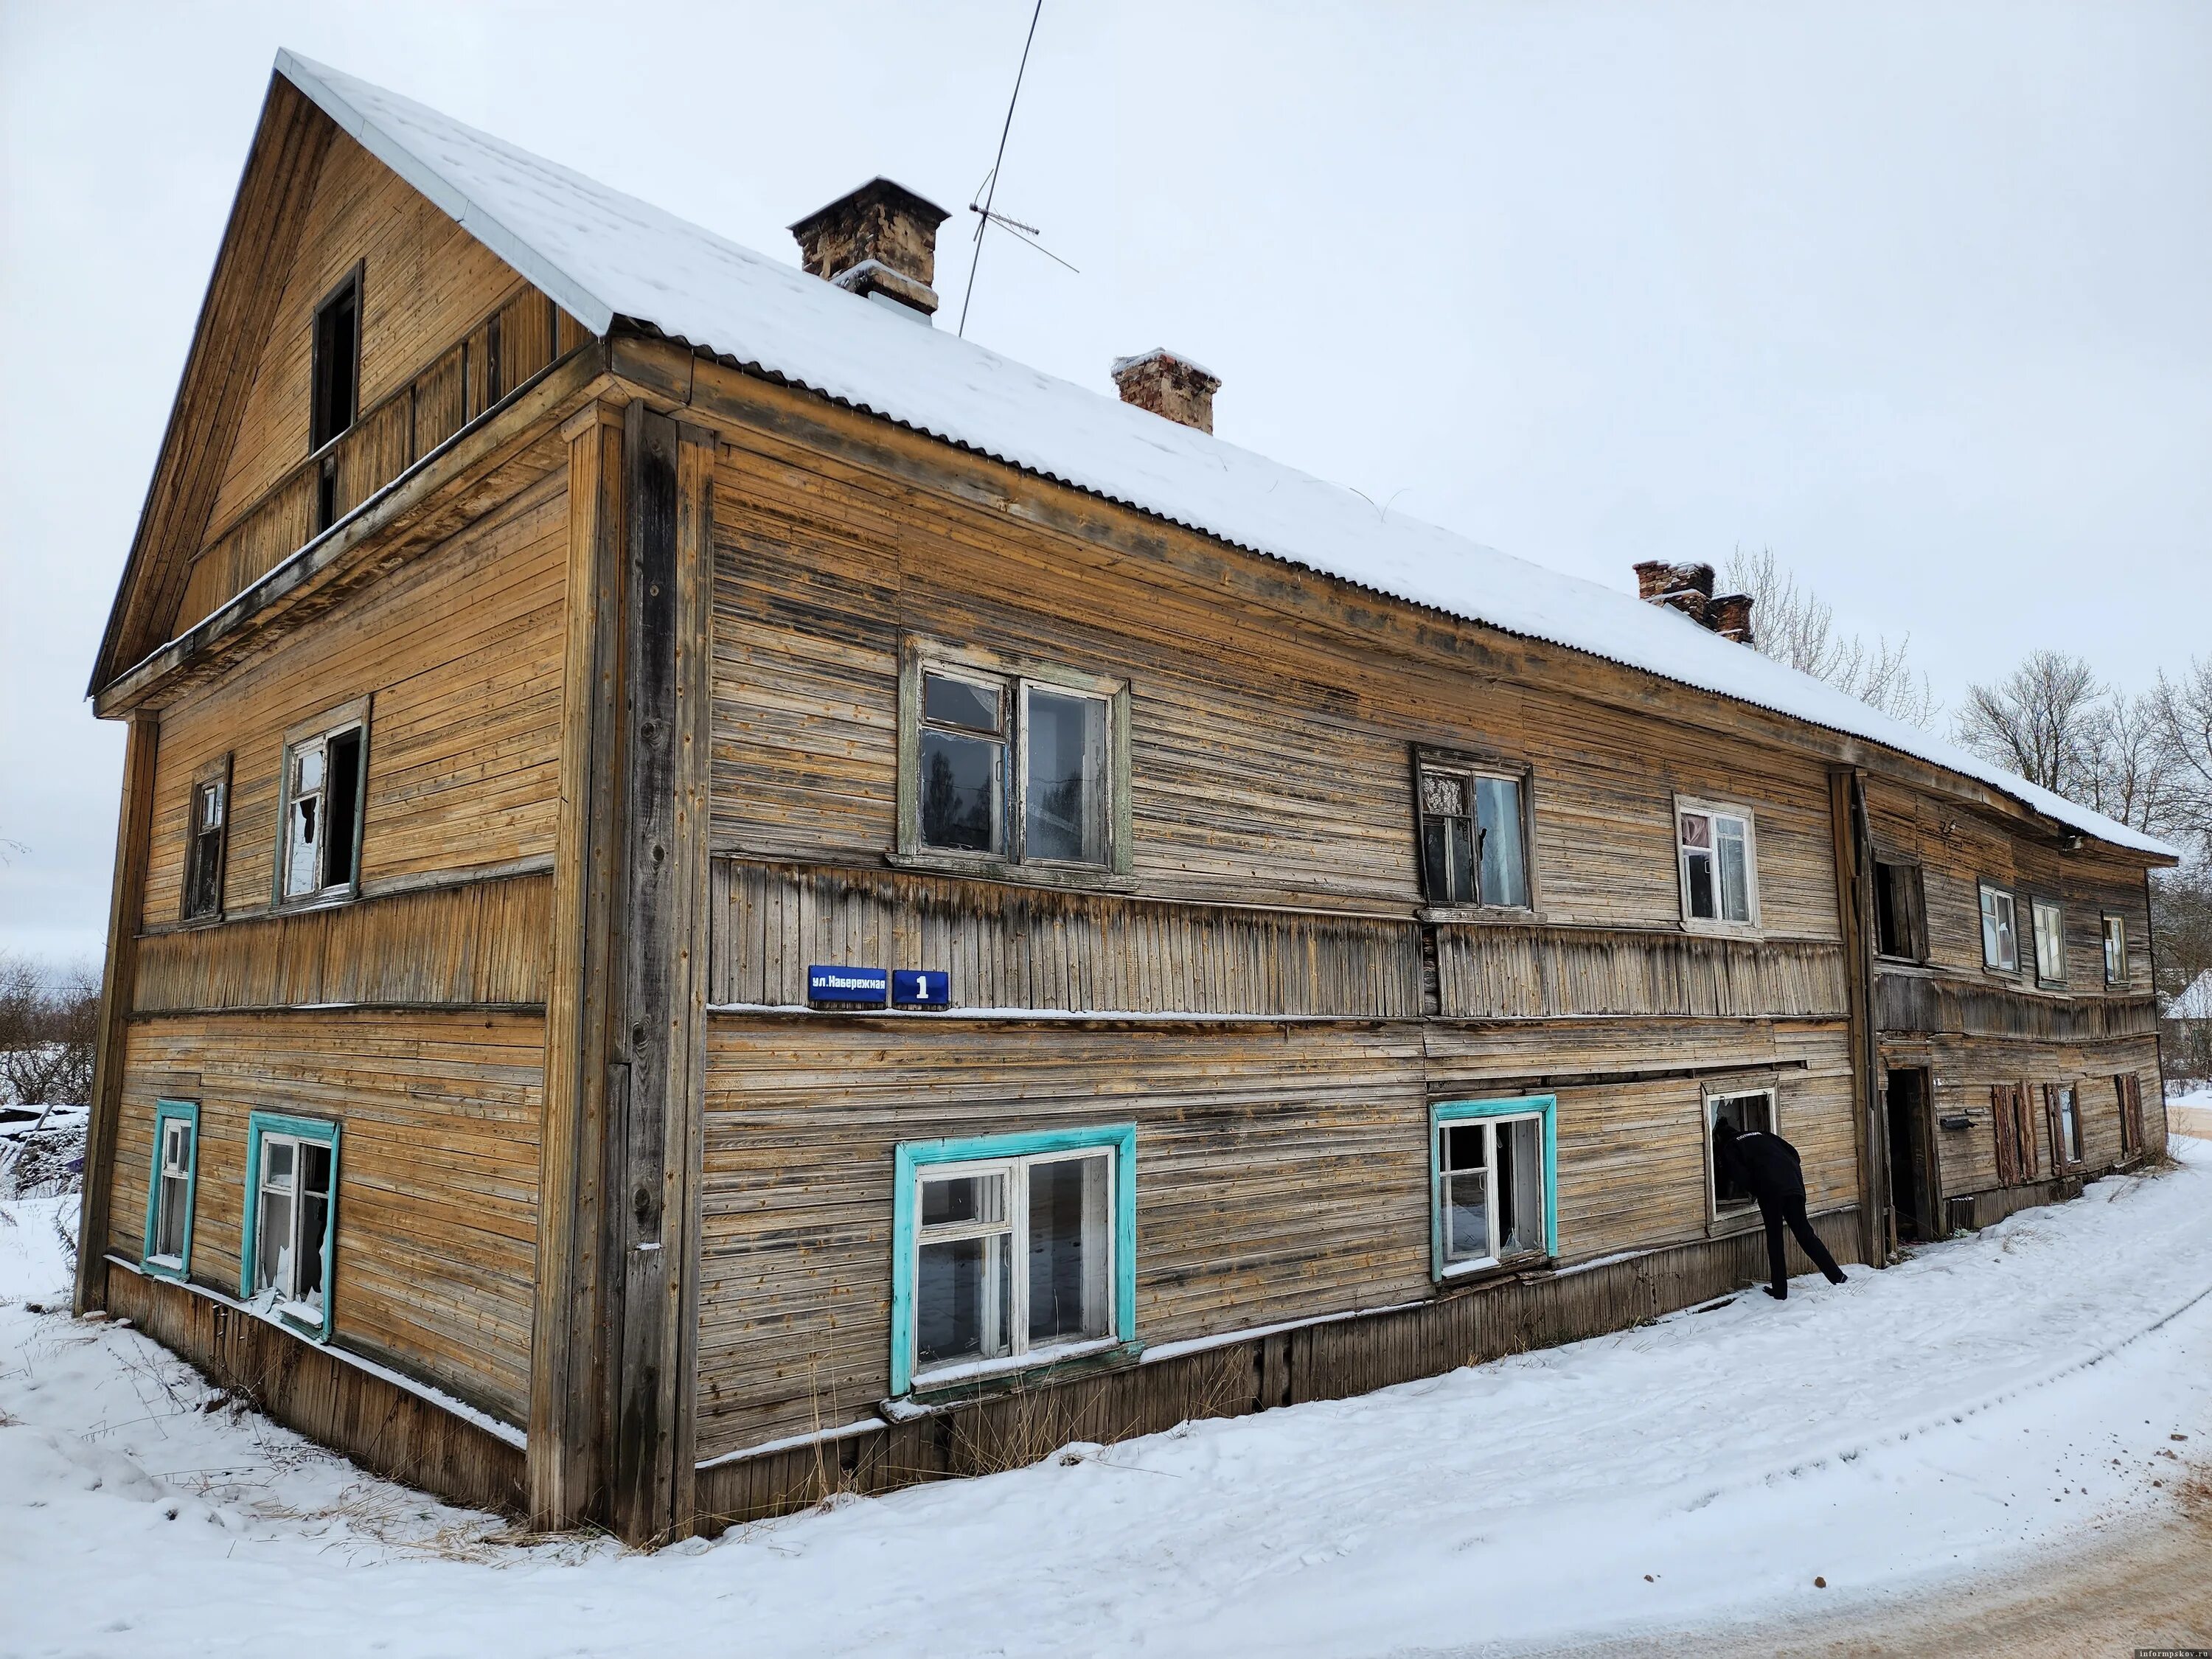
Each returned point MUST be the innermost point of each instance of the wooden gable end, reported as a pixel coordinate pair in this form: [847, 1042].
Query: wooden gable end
[235, 490]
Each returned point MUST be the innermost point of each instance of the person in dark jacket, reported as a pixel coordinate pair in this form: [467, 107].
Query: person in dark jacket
[1765, 1166]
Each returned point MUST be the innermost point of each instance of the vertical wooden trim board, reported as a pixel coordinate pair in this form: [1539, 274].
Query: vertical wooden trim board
[659, 1051]
[1853, 842]
[127, 898]
[569, 1416]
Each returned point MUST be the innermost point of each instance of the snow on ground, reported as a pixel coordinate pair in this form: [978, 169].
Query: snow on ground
[2030, 1387]
[2190, 1112]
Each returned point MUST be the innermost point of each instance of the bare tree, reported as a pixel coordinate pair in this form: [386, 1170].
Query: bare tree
[47, 1024]
[2039, 721]
[1794, 625]
[2184, 704]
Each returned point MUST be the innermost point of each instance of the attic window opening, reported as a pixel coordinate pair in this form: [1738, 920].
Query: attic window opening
[335, 398]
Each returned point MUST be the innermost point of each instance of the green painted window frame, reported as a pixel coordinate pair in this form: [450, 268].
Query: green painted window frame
[911, 1157]
[1452, 1111]
[164, 1112]
[258, 1126]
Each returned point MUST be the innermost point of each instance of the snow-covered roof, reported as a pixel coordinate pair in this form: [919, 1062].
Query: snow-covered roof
[601, 255]
[2195, 1001]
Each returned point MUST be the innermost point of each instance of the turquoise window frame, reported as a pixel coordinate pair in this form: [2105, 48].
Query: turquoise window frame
[259, 1125]
[164, 1111]
[910, 1158]
[1452, 1111]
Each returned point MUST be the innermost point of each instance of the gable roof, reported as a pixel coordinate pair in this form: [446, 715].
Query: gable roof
[603, 255]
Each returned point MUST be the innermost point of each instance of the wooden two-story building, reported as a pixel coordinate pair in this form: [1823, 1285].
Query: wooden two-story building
[721, 894]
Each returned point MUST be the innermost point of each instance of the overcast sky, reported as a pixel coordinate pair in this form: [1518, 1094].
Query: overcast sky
[1916, 295]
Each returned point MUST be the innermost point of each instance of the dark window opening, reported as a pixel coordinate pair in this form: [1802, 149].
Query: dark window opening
[345, 806]
[1900, 919]
[204, 856]
[336, 394]
[493, 389]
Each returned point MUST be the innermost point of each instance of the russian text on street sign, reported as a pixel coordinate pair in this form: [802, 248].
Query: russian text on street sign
[829, 984]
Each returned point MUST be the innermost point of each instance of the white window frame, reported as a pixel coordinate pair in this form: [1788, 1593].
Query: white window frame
[1985, 892]
[1439, 1207]
[2115, 934]
[265, 1131]
[2037, 910]
[1717, 1213]
[1016, 1169]
[175, 1172]
[309, 738]
[1713, 811]
[2074, 1143]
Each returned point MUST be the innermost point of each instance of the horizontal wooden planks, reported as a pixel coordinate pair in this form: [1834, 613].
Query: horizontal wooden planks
[1964, 1069]
[438, 1171]
[1271, 763]
[460, 651]
[424, 282]
[1283, 1169]
[1009, 946]
[475, 942]
[1012, 946]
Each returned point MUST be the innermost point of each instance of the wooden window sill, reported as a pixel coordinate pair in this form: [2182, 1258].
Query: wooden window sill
[925, 1398]
[1477, 912]
[981, 867]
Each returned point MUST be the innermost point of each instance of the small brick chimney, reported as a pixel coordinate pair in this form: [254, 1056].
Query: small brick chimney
[1168, 384]
[1729, 616]
[1688, 588]
[879, 241]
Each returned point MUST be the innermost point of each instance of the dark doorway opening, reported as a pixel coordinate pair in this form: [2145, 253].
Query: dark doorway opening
[1912, 1176]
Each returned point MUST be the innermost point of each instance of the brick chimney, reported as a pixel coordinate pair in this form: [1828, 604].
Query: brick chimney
[1729, 616]
[1687, 588]
[1168, 384]
[879, 241]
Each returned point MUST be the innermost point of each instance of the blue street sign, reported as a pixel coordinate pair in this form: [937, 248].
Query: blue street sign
[836, 984]
[921, 988]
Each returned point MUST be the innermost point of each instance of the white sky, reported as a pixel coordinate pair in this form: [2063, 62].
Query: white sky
[1916, 294]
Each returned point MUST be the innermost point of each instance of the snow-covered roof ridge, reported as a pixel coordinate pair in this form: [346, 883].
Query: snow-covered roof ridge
[601, 254]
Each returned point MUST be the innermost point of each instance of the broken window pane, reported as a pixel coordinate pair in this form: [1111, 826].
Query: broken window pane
[1064, 813]
[2116, 951]
[1068, 1250]
[1520, 1187]
[272, 1226]
[343, 796]
[2000, 948]
[314, 1212]
[948, 702]
[2050, 942]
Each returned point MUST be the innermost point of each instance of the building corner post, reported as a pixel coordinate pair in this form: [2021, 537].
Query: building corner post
[1854, 854]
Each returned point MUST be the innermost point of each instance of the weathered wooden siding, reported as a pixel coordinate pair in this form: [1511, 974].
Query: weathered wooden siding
[1270, 744]
[1964, 1068]
[372, 1420]
[1327, 1359]
[437, 1171]
[425, 283]
[461, 650]
[1012, 946]
[1957, 850]
[1282, 1169]
[478, 942]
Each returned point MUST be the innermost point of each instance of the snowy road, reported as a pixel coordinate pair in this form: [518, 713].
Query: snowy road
[2047, 1380]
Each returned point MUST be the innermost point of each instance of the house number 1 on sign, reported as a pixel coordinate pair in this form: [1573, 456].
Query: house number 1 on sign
[917, 987]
